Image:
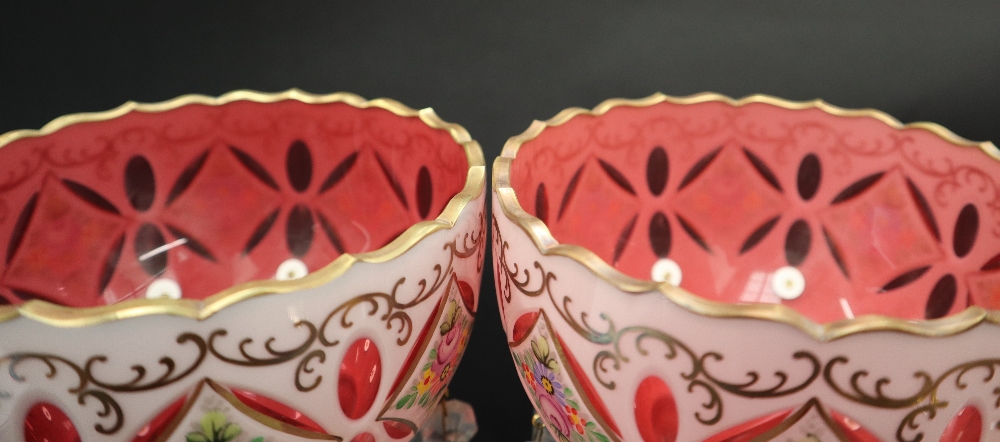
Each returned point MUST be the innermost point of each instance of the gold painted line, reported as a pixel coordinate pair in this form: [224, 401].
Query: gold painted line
[62, 316]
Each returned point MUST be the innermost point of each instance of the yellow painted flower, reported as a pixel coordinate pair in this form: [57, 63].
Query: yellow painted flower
[425, 383]
[578, 423]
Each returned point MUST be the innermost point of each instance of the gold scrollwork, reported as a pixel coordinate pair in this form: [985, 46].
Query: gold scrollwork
[82, 390]
[512, 277]
[925, 402]
[394, 315]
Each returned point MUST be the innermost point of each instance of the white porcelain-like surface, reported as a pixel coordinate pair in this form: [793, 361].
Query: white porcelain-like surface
[824, 297]
[161, 284]
[725, 372]
[294, 344]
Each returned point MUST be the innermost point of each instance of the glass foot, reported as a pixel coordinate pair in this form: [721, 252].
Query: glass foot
[452, 421]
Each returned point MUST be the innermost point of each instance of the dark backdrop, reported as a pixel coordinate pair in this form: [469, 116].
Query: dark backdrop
[494, 68]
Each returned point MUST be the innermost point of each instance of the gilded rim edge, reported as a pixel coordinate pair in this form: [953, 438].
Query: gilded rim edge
[549, 246]
[62, 316]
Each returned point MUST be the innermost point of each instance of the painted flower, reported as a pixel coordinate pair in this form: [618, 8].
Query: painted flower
[579, 423]
[528, 375]
[447, 348]
[425, 383]
[546, 384]
[554, 414]
[214, 428]
[445, 371]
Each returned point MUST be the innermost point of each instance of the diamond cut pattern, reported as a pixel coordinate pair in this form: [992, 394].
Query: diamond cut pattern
[56, 259]
[984, 288]
[881, 232]
[212, 200]
[373, 223]
[596, 192]
[729, 186]
[875, 217]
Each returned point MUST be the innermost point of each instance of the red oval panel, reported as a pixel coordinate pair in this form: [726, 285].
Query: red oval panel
[468, 296]
[363, 437]
[360, 375]
[47, 423]
[523, 326]
[966, 426]
[396, 430]
[655, 411]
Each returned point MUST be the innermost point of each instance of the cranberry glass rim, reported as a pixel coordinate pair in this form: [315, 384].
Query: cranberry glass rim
[62, 316]
[546, 243]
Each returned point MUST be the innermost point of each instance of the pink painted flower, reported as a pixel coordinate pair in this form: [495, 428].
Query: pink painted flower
[451, 331]
[554, 414]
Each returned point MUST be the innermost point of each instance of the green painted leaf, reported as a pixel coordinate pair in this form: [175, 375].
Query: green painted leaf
[229, 431]
[553, 365]
[257, 439]
[567, 392]
[196, 437]
[402, 402]
[423, 399]
[433, 354]
[600, 437]
[540, 348]
[591, 425]
[573, 404]
[212, 422]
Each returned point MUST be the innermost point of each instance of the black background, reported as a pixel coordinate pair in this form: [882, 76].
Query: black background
[495, 67]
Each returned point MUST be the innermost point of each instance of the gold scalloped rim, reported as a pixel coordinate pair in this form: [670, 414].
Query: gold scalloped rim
[548, 245]
[63, 316]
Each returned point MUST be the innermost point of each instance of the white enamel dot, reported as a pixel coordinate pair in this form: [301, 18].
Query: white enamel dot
[788, 283]
[291, 269]
[164, 288]
[667, 270]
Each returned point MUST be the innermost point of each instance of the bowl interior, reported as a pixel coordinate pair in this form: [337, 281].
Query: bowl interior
[189, 201]
[836, 216]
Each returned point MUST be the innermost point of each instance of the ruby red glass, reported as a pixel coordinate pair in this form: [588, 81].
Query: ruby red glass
[877, 220]
[191, 201]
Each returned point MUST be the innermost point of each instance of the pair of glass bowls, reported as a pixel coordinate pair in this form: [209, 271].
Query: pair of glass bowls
[289, 266]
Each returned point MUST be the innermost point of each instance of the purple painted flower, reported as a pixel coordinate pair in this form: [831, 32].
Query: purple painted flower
[546, 383]
[448, 346]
